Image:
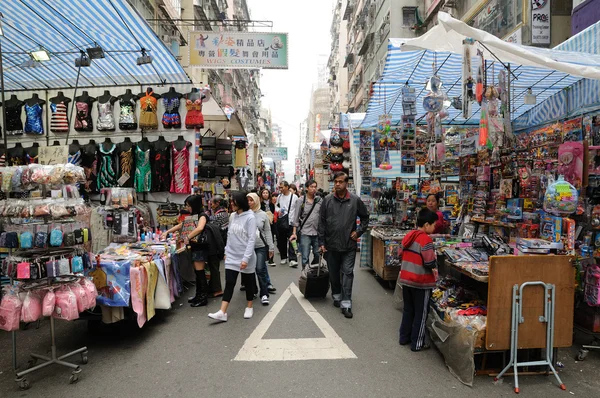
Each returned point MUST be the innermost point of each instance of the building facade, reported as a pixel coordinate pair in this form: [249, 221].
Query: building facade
[585, 13]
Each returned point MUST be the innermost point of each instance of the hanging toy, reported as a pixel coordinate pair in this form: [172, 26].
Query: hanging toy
[483, 127]
[386, 164]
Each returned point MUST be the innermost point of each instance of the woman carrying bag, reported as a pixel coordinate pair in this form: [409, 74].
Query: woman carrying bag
[263, 247]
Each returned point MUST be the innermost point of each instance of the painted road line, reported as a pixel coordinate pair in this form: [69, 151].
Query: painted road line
[331, 346]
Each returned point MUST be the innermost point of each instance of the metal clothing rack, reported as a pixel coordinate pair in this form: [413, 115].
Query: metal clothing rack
[517, 318]
[24, 384]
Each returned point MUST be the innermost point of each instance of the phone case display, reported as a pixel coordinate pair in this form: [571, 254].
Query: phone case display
[408, 145]
[148, 106]
[143, 169]
[33, 121]
[59, 123]
[180, 182]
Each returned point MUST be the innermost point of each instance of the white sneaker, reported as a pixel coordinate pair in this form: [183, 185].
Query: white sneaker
[219, 316]
[293, 264]
[284, 261]
[264, 300]
[248, 313]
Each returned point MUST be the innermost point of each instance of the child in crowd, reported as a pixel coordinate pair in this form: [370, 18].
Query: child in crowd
[417, 278]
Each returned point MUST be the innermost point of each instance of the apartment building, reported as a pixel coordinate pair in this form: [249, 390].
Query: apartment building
[369, 25]
[236, 89]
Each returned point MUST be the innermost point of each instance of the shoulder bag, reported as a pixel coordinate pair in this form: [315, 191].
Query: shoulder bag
[284, 221]
[309, 212]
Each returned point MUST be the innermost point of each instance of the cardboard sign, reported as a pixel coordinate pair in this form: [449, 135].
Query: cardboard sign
[49, 155]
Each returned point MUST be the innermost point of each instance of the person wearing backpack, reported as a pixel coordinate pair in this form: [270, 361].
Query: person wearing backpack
[263, 247]
[306, 222]
[200, 252]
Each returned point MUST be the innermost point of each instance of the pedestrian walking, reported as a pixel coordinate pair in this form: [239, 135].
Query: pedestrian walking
[200, 254]
[284, 207]
[417, 279]
[219, 217]
[240, 257]
[338, 236]
[306, 222]
[263, 247]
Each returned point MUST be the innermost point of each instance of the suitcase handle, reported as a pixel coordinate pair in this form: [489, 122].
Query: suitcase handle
[320, 264]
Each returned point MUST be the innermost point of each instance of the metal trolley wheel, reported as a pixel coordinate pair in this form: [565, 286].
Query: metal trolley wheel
[23, 384]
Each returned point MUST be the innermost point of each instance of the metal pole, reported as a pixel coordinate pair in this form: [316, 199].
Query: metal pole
[2, 97]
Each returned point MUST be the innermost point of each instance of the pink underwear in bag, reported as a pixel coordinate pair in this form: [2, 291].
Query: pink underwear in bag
[48, 303]
[10, 312]
[80, 295]
[32, 308]
[66, 305]
[90, 291]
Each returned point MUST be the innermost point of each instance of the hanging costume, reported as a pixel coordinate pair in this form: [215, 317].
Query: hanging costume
[33, 122]
[194, 118]
[126, 166]
[58, 121]
[143, 170]
[83, 119]
[171, 117]
[107, 172]
[148, 119]
[106, 118]
[127, 119]
[180, 183]
[161, 172]
[14, 124]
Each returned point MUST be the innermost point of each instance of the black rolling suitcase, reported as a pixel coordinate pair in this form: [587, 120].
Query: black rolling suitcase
[314, 280]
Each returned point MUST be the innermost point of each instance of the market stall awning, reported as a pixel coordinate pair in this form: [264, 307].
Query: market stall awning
[439, 51]
[65, 28]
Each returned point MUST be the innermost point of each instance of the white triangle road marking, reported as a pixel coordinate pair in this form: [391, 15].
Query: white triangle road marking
[331, 346]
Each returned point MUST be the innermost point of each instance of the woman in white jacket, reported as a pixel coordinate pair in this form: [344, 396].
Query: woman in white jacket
[263, 246]
[239, 255]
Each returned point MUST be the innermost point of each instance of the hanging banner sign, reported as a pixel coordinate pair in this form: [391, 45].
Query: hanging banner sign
[275, 153]
[248, 50]
[540, 22]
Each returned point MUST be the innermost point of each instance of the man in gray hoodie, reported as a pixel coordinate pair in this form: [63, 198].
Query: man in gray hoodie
[239, 255]
[338, 236]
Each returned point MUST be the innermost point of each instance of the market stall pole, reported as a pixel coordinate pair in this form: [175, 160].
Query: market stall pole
[23, 383]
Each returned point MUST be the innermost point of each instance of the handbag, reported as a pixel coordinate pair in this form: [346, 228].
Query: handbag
[206, 171]
[283, 222]
[223, 171]
[208, 142]
[209, 154]
[224, 158]
[23, 270]
[224, 143]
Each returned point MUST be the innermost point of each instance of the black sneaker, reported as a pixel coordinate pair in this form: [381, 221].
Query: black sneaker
[271, 289]
[347, 312]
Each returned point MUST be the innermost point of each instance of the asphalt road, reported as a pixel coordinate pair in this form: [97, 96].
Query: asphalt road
[182, 353]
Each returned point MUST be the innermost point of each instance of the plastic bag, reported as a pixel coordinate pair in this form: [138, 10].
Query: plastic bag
[41, 175]
[80, 295]
[91, 292]
[56, 174]
[41, 210]
[32, 307]
[561, 198]
[48, 303]
[10, 311]
[66, 305]
[73, 174]
[59, 210]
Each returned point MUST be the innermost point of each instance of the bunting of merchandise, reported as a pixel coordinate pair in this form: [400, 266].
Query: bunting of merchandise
[275, 153]
[249, 50]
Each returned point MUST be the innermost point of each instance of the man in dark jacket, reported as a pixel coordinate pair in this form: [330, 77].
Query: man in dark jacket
[338, 236]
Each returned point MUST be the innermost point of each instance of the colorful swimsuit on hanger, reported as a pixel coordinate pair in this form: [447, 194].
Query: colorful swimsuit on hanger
[171, 117]
[106, 118]
[161, 172]
[58, 121]
[143, 170]
[14, 124]
[127, 119]
[107, 172]
[194, 118]
[180, 183]
[33, 122]
[148, 119]
[126, 166]
[83, 119]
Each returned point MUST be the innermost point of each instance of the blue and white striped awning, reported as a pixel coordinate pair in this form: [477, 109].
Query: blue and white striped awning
[66, 27]
[415, 67]
[587, 41]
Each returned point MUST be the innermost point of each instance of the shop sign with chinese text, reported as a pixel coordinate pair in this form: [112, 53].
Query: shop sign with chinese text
[275, 153]
[249, 50]
[540, 22]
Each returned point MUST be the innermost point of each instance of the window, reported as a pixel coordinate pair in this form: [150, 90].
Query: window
[499, 17]
[409, 16]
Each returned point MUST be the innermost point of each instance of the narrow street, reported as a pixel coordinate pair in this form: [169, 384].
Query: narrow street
[182, 353]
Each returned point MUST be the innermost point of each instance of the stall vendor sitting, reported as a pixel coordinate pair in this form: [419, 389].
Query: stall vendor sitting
[433, 203]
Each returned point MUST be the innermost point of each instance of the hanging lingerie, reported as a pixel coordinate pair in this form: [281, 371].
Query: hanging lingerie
[83, 119]
[106, 118]
[33, 121]
[171, 117]
[127, 119]
[58, 121]
[89, 162]
[180, 183]
[107, 172]
[14, 124]
[194, 118]
[143, 170]
[161, 173]
[148, 119]
[126, 167]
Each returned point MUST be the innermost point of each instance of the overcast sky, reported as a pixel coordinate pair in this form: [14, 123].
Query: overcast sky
[287, 92]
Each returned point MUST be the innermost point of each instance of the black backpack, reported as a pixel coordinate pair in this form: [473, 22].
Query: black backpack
[215, 240]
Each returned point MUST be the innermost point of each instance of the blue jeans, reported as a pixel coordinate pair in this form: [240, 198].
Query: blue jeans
[306, 242]
[341, 275]
[261, 270]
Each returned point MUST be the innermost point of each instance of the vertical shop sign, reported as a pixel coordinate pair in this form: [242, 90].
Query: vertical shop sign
[247, 50]
[540, 22]
[298, 167]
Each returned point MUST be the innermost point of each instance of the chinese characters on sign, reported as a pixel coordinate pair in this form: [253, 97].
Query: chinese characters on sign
[275, 153]
[49, 155]
[239, 50]
[540, 22]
